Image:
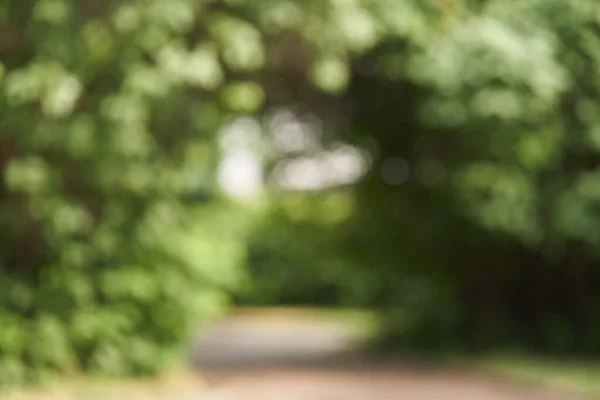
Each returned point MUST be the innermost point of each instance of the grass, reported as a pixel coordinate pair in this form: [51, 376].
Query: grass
[169, 386]
[572, 376]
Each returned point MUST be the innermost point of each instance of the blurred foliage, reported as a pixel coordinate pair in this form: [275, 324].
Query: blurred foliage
[492, 241]
[109, 115]
[294, 260]
[108, 258]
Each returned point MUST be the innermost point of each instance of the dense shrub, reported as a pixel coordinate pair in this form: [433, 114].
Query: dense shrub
[106, 260]
[292, 259]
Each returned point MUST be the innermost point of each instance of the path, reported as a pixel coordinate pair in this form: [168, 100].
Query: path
[265, 357]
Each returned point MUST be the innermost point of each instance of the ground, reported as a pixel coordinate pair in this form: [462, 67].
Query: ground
[275, 356]
[299, 355]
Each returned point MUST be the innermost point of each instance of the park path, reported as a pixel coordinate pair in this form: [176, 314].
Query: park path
[261, 356]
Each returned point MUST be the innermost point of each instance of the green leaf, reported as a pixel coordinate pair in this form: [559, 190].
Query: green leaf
[243, 96]
[52, 11]
[30, 175]
[330, 74]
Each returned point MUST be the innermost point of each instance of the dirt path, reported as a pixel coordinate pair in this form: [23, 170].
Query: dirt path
[266, 357]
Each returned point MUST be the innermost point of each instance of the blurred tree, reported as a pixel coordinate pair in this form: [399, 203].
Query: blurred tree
[479, 119]
[108, 114]
[474, 207]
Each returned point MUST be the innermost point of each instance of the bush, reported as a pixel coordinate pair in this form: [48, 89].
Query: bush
[293, 260]
[106, 263]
